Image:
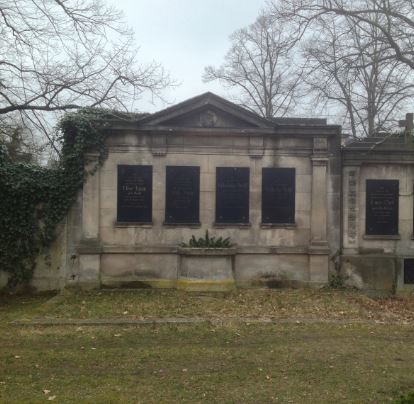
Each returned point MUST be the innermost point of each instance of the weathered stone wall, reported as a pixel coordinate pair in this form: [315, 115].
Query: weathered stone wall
[224, 154]
[207, 132]
[376, 262]
[50, 267]
[147, 254]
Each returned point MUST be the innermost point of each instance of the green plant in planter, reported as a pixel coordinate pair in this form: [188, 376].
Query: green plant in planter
[207, 242]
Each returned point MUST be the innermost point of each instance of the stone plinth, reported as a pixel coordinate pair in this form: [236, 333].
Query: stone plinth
[206, 269]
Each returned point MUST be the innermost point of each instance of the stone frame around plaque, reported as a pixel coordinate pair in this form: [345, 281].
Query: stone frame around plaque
[180, 209]
[381, 209]
[233, 208]
[134, 195]
[278, 204]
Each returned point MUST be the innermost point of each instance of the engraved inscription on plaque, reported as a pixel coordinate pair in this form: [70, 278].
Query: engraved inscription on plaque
[182, 198]
[382, 207]
[278, 195]
[134, 194]
[232, 195]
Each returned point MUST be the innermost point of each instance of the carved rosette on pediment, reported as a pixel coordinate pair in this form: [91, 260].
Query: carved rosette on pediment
[204, 111]
[208, 119]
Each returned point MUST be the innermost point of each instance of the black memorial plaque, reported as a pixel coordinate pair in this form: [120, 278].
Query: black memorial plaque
[232, 195]
[409, 271]
[134, 194]
[278, 195]
[382, 207]
[182, 199]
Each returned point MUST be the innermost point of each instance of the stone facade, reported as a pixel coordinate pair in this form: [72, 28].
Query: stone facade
[376, 261]
[209, 132]
[326, 229]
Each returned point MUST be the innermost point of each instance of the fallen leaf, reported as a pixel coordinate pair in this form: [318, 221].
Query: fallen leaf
[51, 398]
[117, 335]
[46, 391]
[17, 356]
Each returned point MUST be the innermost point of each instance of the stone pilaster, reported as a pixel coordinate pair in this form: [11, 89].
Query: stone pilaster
[90, 202]
[256, 146]
[89, 257]
[318, 249]
[351, 207]
[319, 202]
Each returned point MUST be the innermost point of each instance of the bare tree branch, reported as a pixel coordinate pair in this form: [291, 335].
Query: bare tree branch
[259, 67]
[60, 55]
[360, 56]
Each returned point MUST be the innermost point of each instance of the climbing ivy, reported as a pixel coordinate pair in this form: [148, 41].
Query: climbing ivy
[34, 200]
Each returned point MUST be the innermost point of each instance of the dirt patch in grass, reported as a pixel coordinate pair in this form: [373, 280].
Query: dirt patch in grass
[262, 303]
[398, 308]
[324, 304]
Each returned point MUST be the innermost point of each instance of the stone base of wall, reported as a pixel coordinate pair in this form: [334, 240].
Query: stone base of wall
[372, 273]
[198, 271]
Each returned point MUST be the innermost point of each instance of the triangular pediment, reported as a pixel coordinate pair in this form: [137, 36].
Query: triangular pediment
[206, 111]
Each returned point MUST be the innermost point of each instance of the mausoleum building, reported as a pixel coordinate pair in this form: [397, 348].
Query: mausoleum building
[296, 205]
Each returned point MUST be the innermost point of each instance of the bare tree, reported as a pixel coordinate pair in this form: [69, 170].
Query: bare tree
[349, 68]
[58, 55]
[393, 19]
[258, 67]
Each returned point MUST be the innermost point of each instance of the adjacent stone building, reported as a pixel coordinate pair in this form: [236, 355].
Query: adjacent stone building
[296, 205]
[377, 228]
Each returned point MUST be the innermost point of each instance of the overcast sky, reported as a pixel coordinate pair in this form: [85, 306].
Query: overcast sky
[185, 36]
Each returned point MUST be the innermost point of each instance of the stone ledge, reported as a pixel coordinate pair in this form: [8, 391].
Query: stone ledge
[120, 249]
[381, 237]
[188, 225]
[288, 226]
[207, 251]
[234, 225]
[154, 249]
[147, 225]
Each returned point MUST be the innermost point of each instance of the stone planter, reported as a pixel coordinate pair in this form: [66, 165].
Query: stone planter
[206, 269]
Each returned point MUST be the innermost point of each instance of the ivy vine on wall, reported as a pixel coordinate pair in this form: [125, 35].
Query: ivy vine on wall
[34, 200]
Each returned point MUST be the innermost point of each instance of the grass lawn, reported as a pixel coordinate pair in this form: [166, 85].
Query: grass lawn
[369, 359]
